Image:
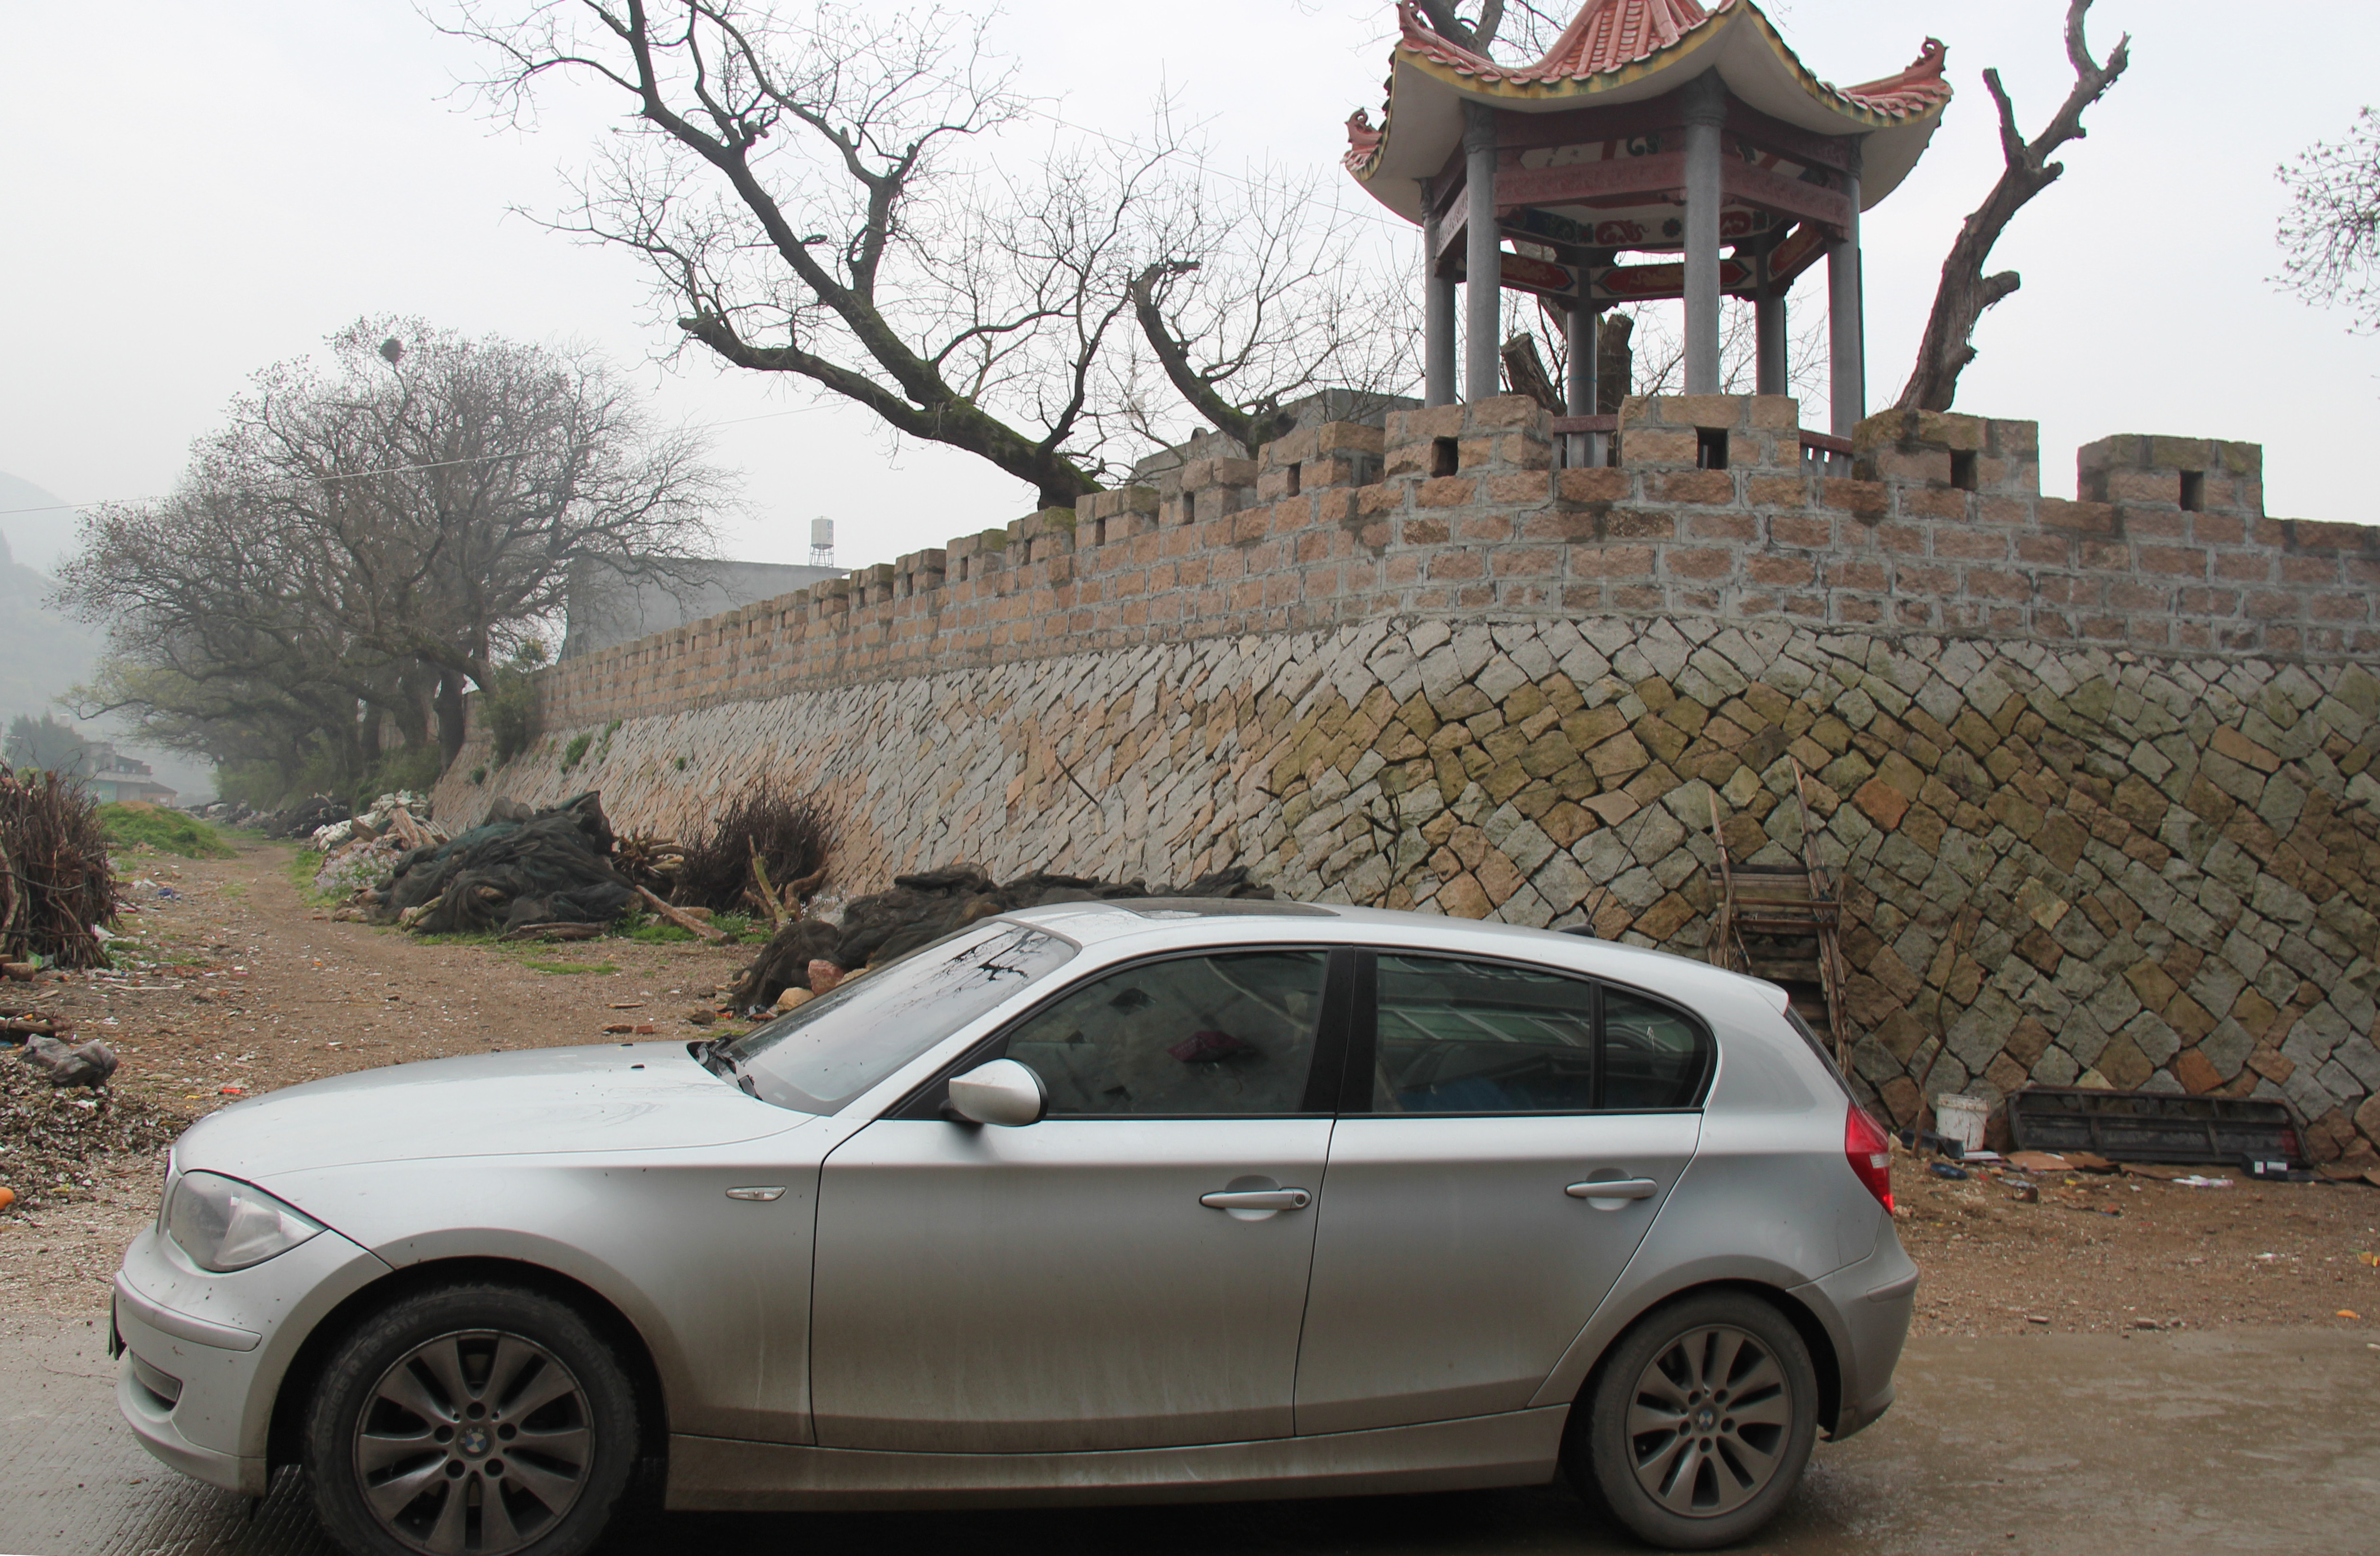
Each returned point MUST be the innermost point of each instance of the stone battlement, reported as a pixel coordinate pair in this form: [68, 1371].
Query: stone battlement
[1716, 506]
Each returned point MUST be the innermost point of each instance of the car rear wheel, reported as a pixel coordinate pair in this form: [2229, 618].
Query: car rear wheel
[1698, 1424]
[478, 1419]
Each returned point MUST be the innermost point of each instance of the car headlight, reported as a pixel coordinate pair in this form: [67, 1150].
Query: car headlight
[225, 1224]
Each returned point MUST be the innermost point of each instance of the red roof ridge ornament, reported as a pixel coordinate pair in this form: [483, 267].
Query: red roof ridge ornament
[1912, 89]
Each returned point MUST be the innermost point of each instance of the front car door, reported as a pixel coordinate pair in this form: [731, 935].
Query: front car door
[1068, 1285]
[1461, 1247]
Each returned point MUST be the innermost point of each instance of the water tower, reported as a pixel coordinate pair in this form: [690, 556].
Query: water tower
[822, 542]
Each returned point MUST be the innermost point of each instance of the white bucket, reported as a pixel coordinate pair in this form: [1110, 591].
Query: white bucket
[1960, 1118]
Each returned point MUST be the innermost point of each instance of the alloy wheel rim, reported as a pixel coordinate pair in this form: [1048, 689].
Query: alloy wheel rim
[1708, 1421]
[475, 1443]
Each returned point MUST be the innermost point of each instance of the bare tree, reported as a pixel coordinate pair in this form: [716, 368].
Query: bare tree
[816, 195]
[1257, 297]
[380, 536]
[2331, 233]
[1966, 291]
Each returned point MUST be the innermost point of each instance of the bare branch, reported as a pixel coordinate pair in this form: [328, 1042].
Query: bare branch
[1966, 292]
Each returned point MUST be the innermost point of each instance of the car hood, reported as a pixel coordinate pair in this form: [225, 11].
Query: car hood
[607, 1098]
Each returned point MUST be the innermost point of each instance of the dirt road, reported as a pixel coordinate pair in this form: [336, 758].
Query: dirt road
[235, 983]
[2264, 1440]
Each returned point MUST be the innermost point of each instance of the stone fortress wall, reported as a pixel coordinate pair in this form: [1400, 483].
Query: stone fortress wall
[2094, 772]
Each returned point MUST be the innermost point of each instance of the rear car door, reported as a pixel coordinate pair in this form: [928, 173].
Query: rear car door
[1461, 1245]
[1075, 1285]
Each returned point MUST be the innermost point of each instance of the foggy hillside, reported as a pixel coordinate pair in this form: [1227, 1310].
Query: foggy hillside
[43, 652]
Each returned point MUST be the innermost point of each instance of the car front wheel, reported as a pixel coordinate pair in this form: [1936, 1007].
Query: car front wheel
[1699, 1422]
[471, 1418]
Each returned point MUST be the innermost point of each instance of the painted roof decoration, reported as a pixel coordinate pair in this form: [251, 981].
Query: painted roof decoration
[1626, 51]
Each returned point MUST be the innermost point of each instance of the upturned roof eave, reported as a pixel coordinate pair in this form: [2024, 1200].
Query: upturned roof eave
[1392, 171]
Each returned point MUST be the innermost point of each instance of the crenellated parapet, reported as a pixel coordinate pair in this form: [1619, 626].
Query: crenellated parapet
[1712, 505]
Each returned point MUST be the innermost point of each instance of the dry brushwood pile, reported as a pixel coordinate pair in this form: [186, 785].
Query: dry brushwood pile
[923, 908]
[519, 867]
[764, 853]
[56, 883]
[50, 1137]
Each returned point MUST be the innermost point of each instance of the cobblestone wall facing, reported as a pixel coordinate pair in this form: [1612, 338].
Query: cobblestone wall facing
[2065, 861]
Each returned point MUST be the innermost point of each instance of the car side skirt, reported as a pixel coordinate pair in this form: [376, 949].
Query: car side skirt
[1516, 1448]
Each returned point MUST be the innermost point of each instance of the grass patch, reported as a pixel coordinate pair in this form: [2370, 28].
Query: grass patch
[656, 930]
[565, 968]
[136, 826]
[235, 890]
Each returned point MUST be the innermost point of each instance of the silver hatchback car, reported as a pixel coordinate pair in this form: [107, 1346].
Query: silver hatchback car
[1140, 1201]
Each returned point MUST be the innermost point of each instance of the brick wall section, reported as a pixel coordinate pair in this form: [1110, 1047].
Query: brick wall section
[1342, 523]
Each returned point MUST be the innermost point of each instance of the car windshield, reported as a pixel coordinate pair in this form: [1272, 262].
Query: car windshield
[826, 1050]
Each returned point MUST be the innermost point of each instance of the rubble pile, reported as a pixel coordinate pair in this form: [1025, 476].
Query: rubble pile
[922, 908]
[57, 888]
[360, 854]
[49, 1138]
[518, 867]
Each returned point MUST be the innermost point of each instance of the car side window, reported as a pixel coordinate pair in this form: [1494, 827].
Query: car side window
[1653, 1056]
[1461, 1037]
[1226, 1034]
[1458, 1036]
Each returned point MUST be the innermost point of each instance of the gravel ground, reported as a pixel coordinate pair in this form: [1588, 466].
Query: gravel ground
[252, 986]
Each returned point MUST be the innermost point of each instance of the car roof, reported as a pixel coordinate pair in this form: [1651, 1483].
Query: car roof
[1161, 923]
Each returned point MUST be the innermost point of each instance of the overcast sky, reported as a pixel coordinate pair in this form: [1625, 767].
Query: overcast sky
[195, 190]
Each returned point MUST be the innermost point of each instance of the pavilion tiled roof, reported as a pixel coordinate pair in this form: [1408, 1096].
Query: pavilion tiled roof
[1608, 36]
[1613, 49]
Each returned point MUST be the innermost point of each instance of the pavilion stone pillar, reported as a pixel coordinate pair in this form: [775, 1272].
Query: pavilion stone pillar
[1705, 115]
[1769, 333]
[1846, 345]
[1581, 392]
[1437, 311]
[1483, 259]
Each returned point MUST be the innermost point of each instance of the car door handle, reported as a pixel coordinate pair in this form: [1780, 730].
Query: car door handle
[1257, 1199]
[1615, 1188]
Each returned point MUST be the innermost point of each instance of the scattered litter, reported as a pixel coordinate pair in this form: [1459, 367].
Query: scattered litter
[2195, 1181]
[2038, 1162]
[2372, 1259]
[2036, 1318]
[2347, 1313]
[1944, 1170]
[228, 1091]
[619, 1027]
[2027, 1194]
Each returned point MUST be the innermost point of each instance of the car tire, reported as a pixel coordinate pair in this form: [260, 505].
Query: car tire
[476, 1417]
[1655, 1441]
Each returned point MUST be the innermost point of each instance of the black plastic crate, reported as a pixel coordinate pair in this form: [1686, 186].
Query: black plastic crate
[2155, 1125]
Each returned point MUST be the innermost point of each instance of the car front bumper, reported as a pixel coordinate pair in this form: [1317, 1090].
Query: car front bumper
[205, 1353]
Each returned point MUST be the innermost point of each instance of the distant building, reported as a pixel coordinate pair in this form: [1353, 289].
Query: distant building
[603, 607]
[109, 775]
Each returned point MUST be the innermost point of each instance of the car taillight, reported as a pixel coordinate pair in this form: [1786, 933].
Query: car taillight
[1869, 1151]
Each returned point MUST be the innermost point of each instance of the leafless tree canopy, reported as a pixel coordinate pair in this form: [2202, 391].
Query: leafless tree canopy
[377, 536]
[815, 194]
[2331, 233]
[1966, 291]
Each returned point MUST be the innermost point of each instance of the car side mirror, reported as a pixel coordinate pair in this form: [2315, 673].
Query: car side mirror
[1002, 1092]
